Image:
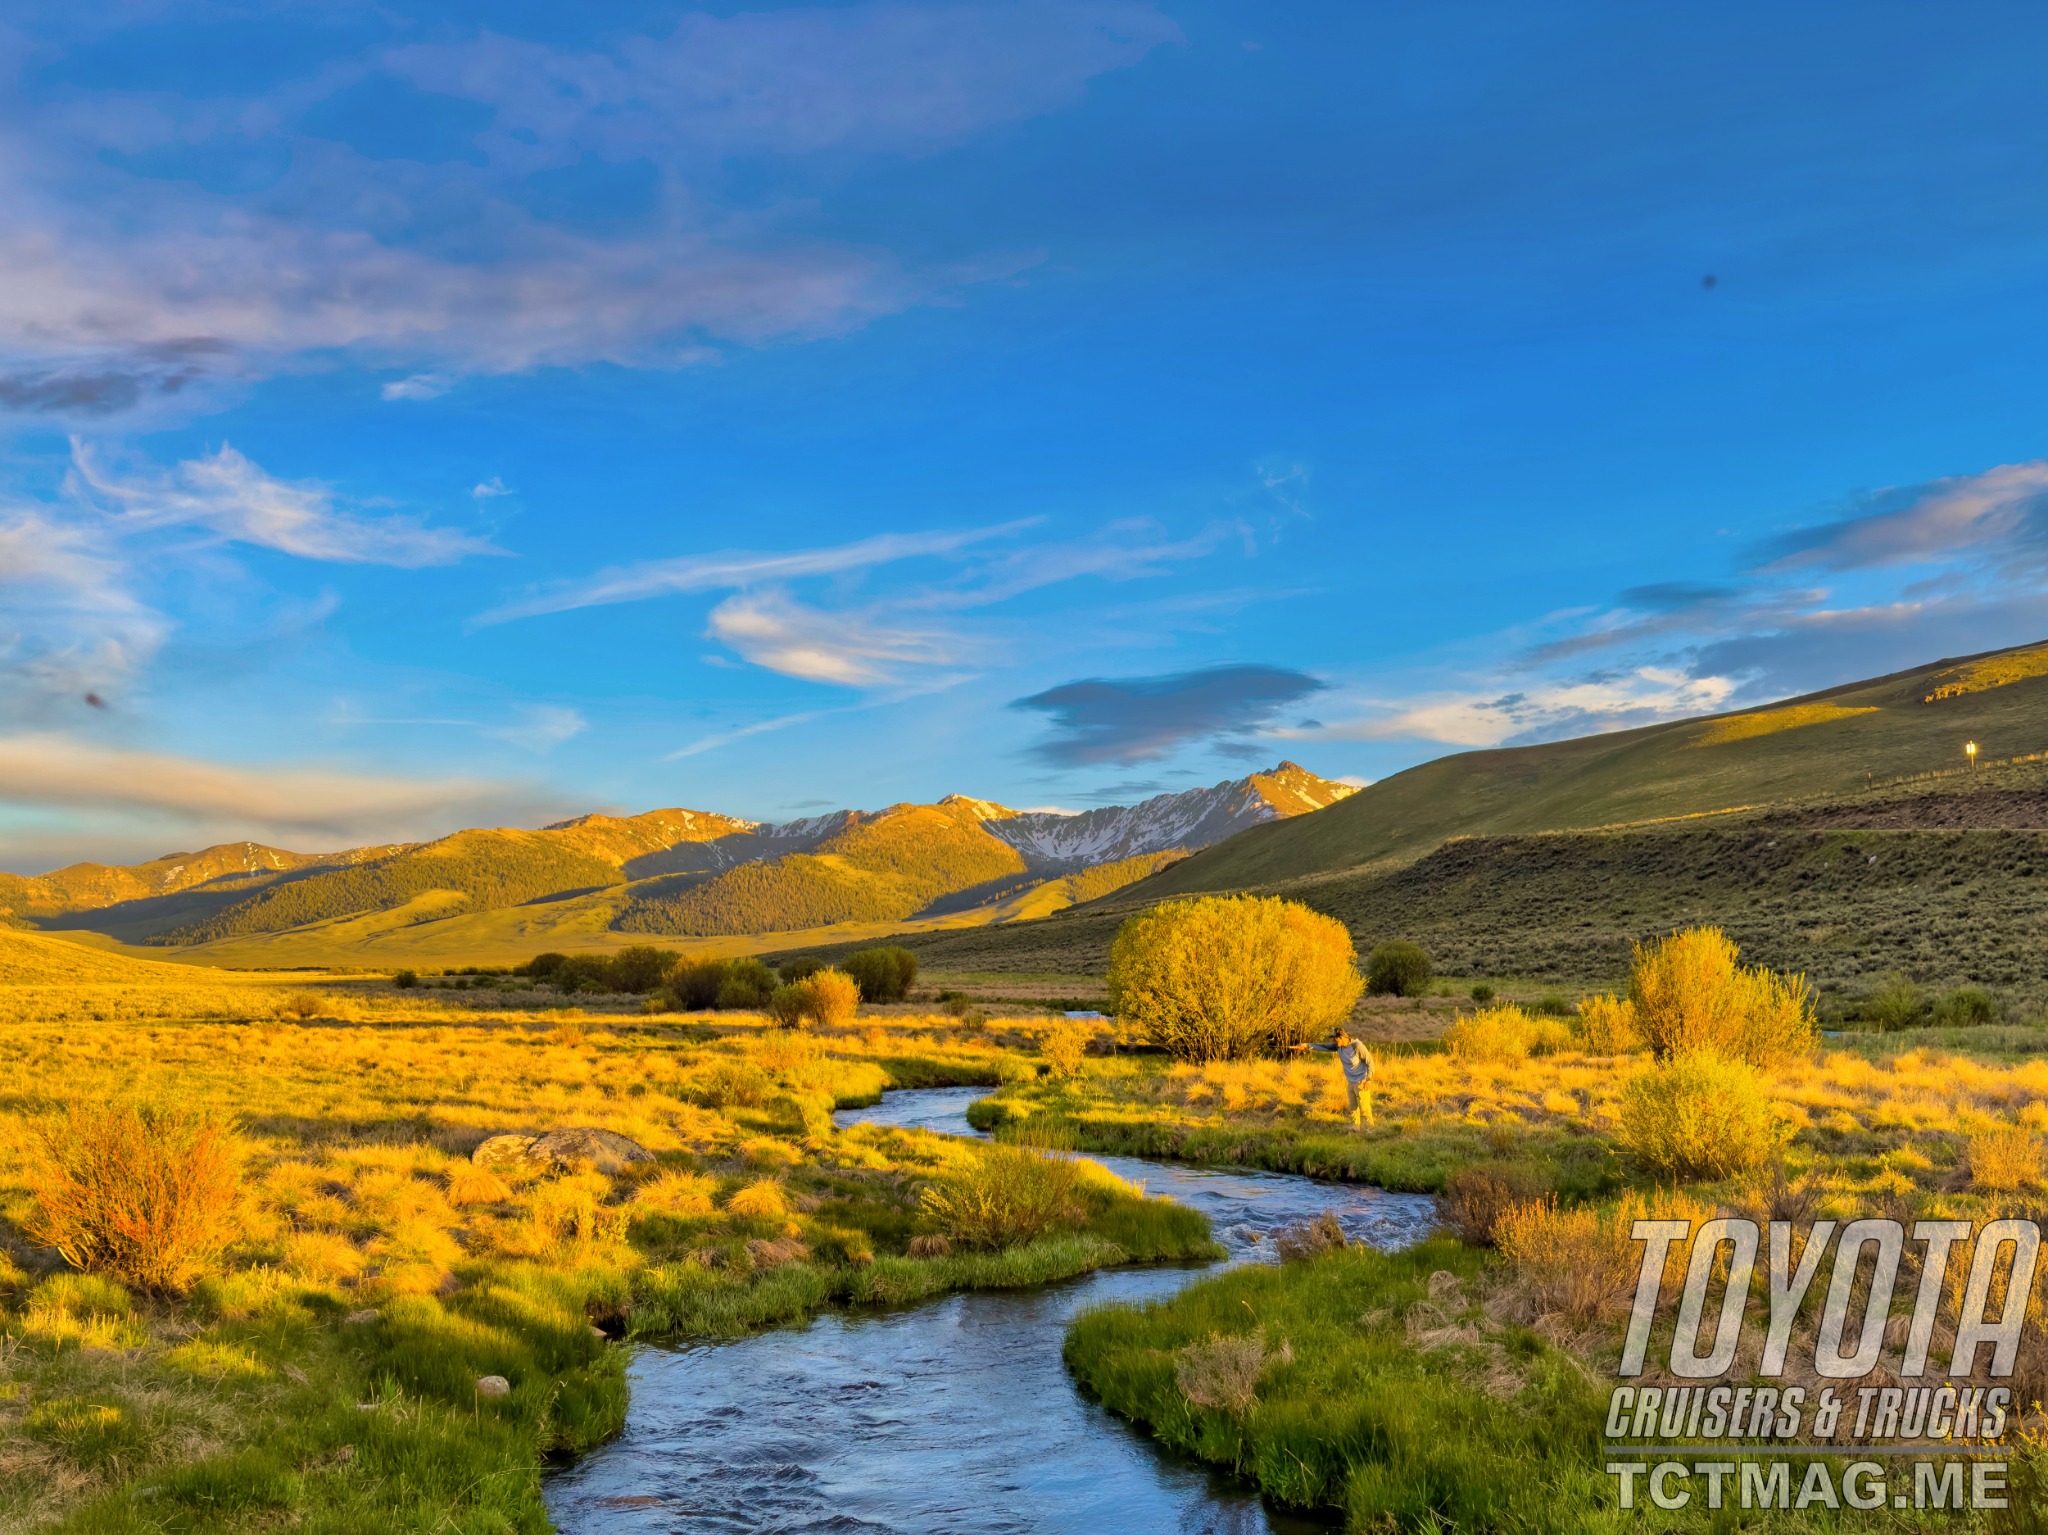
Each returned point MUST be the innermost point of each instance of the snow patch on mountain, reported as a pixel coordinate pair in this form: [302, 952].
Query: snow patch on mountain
[1191, 819]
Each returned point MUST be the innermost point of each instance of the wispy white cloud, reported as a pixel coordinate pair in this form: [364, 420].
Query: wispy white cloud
[2001, 513]
[70, 622]
[491, 489]
[773, 630]
[541, 727]
[234, 499]
[532, 727]
[1122, 550]
[891, 78]
[272, 800]
[419, 386]
[720, 738]
[116, 249]
[738, 569]
[1537, 710]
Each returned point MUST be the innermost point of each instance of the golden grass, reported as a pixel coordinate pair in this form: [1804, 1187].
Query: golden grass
[1867, 1129]
[1504, 1034]
[1580, 1263]
[1767, 722]
[2006, 1159]
[353, 1127]
[1991, 672]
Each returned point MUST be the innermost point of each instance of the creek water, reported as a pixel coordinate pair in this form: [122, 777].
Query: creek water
[955, 1415]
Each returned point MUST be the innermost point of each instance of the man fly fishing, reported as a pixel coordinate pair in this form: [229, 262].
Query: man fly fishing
[1356, 1063]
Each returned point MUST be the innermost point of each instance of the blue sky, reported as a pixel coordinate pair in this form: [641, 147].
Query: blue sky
[425, 415]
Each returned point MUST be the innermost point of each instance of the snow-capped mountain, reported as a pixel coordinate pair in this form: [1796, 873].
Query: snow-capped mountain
[1190, 820]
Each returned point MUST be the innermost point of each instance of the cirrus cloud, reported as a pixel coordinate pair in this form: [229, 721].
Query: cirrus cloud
[230, 496]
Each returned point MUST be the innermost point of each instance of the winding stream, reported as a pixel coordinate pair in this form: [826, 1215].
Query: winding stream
[951, 1416]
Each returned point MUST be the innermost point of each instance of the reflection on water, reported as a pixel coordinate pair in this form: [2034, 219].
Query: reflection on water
[956, 1415]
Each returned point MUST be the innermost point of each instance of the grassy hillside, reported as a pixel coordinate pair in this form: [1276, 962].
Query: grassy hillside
[1945, 879]
[884, 867]
[29, 959]
[1836, 742]
[484, 868]
[657, 842]
[239, 866]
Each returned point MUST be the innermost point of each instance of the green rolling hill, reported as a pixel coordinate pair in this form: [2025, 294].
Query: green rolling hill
[487, 894]
[1836, 742]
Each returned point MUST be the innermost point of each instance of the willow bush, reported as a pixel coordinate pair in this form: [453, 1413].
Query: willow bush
[1226, 977]
[145, 1194]
[1700, 1115]
[825, 997]
[1505, 1034]
[1689, 994]
[883, 974]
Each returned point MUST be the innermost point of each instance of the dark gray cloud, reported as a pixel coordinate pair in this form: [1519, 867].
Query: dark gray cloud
[1675, 596]
[107, 385]
[1138, 719]
[1124, 793]
[100, 393]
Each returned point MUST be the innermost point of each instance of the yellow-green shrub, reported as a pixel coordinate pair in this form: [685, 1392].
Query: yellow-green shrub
[1226, 977]
[1690, 995]
[1504, 1033]
[1607, 1025]
[827, 997]
[2005, 1159]
[1699, 1115]
[1009, 1194]
[1065, 1047]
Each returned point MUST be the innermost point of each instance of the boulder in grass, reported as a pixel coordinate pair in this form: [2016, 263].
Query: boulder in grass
[502, 1150]
[605, 1150]
[493, 1385]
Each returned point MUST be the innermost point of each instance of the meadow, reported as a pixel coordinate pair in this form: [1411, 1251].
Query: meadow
[394, 1337]
[333, 1365]
[1463, 1384]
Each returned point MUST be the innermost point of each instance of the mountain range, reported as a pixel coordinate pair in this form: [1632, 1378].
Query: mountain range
[662, 874]
[1845, 835]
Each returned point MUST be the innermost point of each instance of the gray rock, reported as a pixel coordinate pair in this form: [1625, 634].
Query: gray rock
[493, 1385]
[501, 1150]
[606, 1150]
[367, 1314]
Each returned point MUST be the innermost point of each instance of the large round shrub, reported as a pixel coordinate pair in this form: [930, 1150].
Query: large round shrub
[641, 968]
[1226, 977]
[1699, 1115]
[1690, 995]
[744, 984]
[884, 974]
[1398, 968]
